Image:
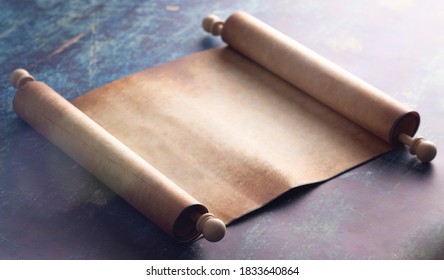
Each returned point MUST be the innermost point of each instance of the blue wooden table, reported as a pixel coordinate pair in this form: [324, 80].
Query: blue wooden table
[389, 208]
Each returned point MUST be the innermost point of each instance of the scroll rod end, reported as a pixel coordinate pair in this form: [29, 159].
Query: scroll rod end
[213, 24]
[210, 227]
[19, 77]
[424, 150]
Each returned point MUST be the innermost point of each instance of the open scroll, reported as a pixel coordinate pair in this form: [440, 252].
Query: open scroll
[225, 130]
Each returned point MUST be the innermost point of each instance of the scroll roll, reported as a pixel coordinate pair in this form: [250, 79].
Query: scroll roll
[125, 172]
[328, 83]
[229, 186]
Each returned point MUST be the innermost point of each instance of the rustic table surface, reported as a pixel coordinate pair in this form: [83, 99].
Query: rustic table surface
[389, 208]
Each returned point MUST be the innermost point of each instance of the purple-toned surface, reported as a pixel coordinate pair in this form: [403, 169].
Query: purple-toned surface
[389, 208]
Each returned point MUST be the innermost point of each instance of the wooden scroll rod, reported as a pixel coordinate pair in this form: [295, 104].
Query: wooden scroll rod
[213, 24]
[424, 150]
[210, 227]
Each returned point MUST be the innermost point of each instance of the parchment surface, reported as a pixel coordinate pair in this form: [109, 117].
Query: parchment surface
[229, 132]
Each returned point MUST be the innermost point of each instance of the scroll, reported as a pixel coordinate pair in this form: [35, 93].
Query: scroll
[198, 142]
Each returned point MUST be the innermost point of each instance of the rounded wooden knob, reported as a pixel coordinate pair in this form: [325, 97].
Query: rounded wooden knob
[19, 77]
[210, 227]
[212, 24]
[424, 150]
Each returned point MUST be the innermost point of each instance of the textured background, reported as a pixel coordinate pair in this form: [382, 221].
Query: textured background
[390, 208]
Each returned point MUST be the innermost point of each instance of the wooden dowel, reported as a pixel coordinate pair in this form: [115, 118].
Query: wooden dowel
[20, 77]
[424, 150]
[213, 24]
[210, 227]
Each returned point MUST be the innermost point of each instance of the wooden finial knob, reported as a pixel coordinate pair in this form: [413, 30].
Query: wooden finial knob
[424, 150]
[212, 24]
[19, 77]
[211, 228]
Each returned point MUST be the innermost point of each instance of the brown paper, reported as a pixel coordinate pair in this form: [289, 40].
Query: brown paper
[230, 133]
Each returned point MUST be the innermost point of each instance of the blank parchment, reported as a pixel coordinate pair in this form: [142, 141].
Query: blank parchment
[227, 131]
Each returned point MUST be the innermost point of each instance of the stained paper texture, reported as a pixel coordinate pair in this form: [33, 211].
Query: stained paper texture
[229, 132]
